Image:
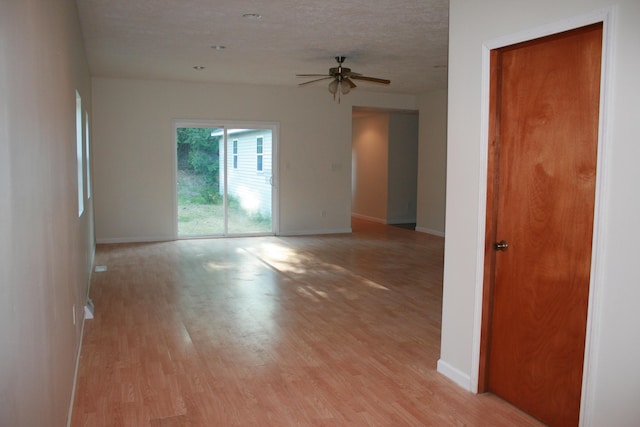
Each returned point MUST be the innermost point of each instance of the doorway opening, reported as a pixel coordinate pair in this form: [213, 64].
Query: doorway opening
[225, 179]
[384, 166]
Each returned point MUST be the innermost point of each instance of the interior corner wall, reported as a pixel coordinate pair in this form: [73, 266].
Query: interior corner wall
[432, 161]
[46, 249]
[403, 168]
[612, 382]
[370, 164]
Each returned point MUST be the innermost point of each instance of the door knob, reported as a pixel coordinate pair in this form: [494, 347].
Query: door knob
[502, 245]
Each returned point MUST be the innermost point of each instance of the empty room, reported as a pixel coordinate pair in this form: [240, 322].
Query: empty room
[240, 213]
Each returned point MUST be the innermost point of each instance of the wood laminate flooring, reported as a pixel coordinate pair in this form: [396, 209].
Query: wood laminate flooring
[331, 330]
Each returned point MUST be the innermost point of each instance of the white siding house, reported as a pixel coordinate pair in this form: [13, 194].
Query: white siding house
[249, 168]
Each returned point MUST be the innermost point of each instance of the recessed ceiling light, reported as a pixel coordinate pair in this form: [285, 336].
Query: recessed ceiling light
[218, 47]
[198, 67]
[251, 15]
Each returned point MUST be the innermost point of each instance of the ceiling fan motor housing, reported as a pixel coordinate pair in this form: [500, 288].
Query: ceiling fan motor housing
[341, 78]
[339, 71]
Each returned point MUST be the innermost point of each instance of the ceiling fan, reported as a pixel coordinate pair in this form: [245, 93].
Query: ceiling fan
[341, 78]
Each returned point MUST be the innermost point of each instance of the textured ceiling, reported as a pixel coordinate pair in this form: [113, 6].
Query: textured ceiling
[401, 40]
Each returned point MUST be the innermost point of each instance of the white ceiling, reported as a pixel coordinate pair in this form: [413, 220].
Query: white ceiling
[401, 40]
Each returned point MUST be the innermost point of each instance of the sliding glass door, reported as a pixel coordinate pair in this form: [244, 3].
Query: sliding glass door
[225, 184]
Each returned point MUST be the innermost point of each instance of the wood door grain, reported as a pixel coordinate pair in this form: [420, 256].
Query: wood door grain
[545, 133]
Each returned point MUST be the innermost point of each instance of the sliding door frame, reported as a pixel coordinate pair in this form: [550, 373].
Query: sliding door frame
[225, 125]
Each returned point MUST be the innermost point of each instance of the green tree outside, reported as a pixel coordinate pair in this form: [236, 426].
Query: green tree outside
[198, 155]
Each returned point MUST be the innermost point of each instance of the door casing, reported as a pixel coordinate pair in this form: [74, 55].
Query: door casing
[606, 16]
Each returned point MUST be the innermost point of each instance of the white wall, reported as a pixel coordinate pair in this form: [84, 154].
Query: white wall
[432, 158]
[370, 163]
[46, 251]
[403, 168]
[133, 170]
[613, 380]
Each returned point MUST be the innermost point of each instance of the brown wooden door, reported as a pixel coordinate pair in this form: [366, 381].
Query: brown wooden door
[544, 132]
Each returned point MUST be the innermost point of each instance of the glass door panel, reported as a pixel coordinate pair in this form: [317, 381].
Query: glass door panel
[200, 193]
[249, 181]
[225, 178]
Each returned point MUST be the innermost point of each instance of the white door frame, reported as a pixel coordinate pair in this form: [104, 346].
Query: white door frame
[606, 16]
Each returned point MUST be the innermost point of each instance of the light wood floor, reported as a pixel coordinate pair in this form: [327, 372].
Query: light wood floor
[339, 330]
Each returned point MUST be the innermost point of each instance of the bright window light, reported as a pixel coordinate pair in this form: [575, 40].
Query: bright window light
[79, 154]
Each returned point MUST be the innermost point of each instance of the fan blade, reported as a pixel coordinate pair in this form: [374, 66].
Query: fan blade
[349, 82]
[313, 75]
[316, 80]
[371, 79]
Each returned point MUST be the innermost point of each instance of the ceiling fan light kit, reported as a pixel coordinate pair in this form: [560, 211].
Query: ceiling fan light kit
[341, 79]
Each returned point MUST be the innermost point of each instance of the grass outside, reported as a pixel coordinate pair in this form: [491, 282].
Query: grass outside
[196, 217]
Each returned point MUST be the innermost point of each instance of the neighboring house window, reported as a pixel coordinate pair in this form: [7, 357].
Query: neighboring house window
[259, 153]
[235, 154]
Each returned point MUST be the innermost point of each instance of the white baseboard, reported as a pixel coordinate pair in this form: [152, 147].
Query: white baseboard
[312, 232]
[401, 221]
[430, 231]
[75, 375]
[166, 239]
[454, 374]
[134, 239]
[369, 218]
